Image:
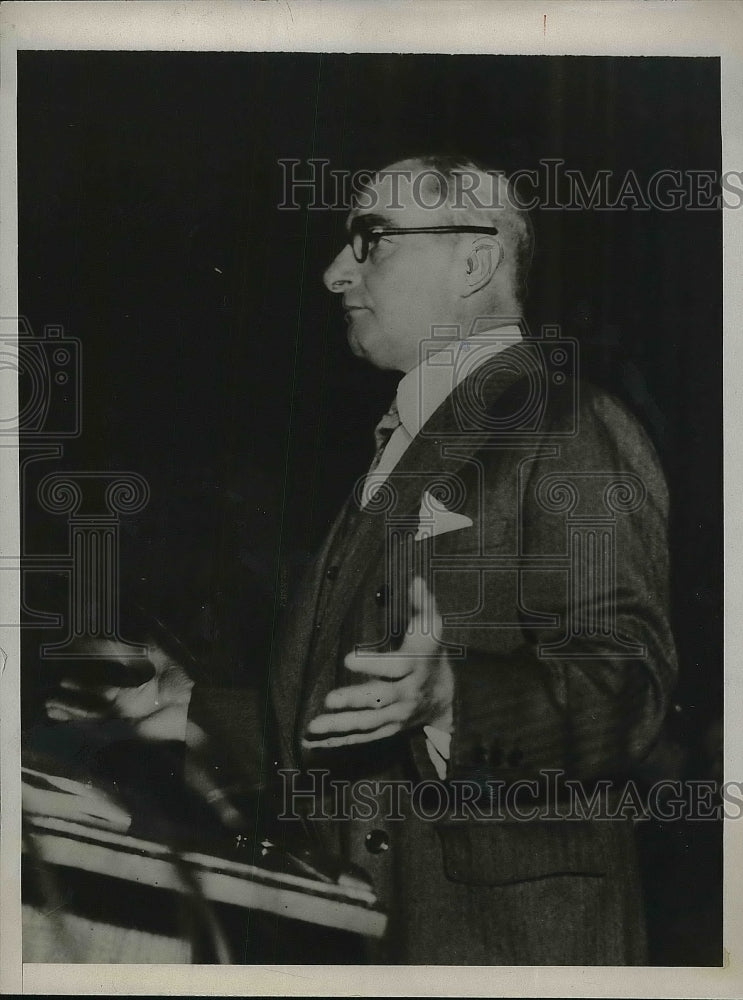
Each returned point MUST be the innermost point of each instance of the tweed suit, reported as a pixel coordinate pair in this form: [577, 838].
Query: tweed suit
[555, 669]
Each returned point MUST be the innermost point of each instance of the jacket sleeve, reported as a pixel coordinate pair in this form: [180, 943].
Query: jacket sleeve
[583, 679]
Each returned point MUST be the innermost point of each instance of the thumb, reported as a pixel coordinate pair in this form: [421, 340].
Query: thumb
[425, 621]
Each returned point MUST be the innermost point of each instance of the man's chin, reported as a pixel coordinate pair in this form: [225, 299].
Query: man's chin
[357, 345]
[367, 350]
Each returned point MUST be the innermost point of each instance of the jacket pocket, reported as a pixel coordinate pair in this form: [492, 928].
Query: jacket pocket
[492, 852]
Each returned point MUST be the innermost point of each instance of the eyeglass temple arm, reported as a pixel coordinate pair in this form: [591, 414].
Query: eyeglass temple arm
[380, 231]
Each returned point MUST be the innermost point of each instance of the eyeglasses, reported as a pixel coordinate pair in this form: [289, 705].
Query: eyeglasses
[361, 236]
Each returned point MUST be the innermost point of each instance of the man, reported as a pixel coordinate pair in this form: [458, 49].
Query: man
[489, 608]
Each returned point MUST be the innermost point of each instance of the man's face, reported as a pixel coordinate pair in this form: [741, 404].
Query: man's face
[407, 284]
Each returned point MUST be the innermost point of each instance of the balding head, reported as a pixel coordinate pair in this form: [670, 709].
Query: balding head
[462, 192]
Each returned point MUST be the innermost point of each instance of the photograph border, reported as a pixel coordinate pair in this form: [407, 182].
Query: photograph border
[606, 27]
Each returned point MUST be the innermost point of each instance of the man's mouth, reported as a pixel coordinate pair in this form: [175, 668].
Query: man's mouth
[350, 312]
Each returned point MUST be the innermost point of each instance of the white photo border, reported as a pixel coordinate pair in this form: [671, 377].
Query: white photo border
[554, 27]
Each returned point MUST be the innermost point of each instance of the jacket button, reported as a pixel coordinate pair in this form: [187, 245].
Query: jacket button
[332, 572]
[382, 596]
[377, 841]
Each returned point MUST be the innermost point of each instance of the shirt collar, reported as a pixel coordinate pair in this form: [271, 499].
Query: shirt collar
[423, 389]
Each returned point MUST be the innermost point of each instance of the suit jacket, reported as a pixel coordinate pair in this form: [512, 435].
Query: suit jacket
[553, 590]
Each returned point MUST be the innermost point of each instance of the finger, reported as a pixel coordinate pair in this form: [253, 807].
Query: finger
[92, 693]
[61, 711]
[374, 695]
[83, 699]
[389, 665]
[363, 720]
[68, 684]
[349, 739]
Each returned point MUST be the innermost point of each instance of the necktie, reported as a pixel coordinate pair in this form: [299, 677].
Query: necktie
[384, 431]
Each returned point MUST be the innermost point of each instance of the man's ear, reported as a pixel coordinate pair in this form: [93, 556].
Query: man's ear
[480, 264]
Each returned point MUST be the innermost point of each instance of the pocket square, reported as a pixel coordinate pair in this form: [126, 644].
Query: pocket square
[436, 519]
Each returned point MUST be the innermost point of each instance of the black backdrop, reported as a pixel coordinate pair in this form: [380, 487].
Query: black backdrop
[215, 363]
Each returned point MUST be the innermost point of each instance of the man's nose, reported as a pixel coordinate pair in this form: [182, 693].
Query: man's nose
[343, 273]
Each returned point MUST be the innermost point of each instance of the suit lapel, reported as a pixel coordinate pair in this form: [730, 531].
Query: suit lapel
[423, 463]
[444, 444]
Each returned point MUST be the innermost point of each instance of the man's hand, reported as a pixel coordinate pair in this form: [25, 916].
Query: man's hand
[411, 687]
[157, 709]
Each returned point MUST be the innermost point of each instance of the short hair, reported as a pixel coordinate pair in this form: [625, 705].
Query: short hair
[504, 211]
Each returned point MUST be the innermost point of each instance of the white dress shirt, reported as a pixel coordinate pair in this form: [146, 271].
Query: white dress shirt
[419, 394]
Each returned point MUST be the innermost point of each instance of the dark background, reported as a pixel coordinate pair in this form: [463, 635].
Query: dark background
[214, 362]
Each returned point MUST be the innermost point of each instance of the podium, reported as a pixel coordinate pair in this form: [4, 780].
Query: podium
[142, 874]
[102, 877]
